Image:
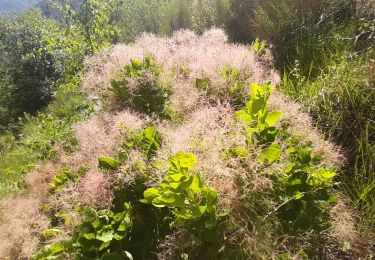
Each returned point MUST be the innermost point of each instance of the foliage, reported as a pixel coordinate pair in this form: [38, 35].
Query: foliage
[63, 177]
[177, 15]
[192, 203]
[149, 95]
[302, 189]
[27, 70]
[108, 163]
[338, 99]
[236, 86]
[40, 134]
[239, 20]
[103, 232]
[149, 141]
[259, 47]
[303, 192]
[137, 16]
[259, 122]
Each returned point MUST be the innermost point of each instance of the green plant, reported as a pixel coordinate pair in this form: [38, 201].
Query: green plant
[236, 86]
[339, 98]
[108, 163]
[259, 123]
[64, 176]
[202, 83]
[149, 141]
[259, 47]
[104, 232]
[192, 203]
[54, 251]
[149, 95]
[303, 191]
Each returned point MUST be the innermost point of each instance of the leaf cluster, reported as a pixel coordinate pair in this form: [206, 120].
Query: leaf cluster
[303, 189]
[103, 232]
[140, 88]
[259, 47]
[64, 177]
[259, 121]
[192, 203]
[148, 141]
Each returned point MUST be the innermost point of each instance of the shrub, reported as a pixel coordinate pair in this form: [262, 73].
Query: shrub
[192, 203]
[140, 88]
[302, 189]
[29, 72]
[103, 232]
[259, 122]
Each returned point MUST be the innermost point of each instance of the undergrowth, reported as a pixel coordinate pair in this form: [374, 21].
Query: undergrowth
[141, 217]
[139, 86]
[340, 100]
[40, 134]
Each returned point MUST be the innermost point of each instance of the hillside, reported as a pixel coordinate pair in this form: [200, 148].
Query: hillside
[16, 5]
[182, 159]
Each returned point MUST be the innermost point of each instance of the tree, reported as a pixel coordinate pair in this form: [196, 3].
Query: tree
[27, 69]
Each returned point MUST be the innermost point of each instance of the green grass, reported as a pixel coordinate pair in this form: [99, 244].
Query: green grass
[39, 135]
[341, 101]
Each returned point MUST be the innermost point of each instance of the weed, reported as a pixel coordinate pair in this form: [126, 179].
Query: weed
[259, 122]
[148, 95]
[236, 86]
[259, 47]
[64, 176]
[192, 203]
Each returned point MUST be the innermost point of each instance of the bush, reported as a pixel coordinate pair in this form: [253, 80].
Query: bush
[28, 70]
[140, 88]
[340, 100]
[40, 134]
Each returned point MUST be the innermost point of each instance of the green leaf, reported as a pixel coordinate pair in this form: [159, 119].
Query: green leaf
[136, 64]
[271, 154]
[272, 118]
[176, 177]
[169, 199]
[257, 107]
[89, 236]
[51, 232]
[108, 163]
[196, 184]
[325, 174]
[104, 245]
[298, 195]
[211, 196]
[105, 234]
[290, 167]
[238, 152]
[244, 117]
[181, 163]
[150, 194]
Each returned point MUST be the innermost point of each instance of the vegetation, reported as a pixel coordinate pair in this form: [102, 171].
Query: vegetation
[189, 150]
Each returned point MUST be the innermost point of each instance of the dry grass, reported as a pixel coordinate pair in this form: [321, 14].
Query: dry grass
[184, 57]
